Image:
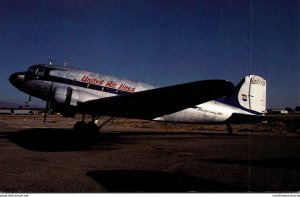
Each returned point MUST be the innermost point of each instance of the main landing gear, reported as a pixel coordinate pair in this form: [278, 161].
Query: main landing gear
[89, 128]
[83, 126]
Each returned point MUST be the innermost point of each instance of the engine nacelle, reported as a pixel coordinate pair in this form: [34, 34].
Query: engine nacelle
[71, 97]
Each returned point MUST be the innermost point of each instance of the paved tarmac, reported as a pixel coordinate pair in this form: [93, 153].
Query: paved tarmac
[52, 159]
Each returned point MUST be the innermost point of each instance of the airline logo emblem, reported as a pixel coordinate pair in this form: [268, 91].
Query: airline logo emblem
[21, 77]
[244, 97]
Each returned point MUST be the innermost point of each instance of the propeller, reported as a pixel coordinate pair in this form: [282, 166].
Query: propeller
[27, 103]
[47, 108]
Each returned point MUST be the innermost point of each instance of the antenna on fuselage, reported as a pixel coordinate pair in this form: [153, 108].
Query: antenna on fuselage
[50, 62]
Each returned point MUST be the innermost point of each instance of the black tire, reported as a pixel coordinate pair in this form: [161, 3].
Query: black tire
[80, 126]
[92, 128]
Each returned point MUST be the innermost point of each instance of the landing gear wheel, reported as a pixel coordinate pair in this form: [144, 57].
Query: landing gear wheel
[92, 129]
[87, 130]
[80, 126]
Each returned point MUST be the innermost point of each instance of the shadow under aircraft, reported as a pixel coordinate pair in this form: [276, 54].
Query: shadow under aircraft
[148, 181]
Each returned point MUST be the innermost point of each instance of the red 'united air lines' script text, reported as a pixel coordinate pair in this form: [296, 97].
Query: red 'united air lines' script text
[110, 84]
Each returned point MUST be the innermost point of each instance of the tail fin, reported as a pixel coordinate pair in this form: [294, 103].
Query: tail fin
[250, 94]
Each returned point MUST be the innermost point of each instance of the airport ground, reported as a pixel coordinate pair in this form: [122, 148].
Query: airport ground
[146, 156]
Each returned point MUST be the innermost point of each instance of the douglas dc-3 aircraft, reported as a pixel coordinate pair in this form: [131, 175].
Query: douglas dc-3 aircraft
[71, 91]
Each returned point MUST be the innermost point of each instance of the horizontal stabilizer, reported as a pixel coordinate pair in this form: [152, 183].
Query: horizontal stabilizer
[236, 118]
[153, 103]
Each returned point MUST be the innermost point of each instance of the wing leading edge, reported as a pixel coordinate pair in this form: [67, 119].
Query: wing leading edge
[154, 103]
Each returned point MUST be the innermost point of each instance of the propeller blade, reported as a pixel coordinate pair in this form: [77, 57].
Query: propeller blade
[46, 111]
[29, 101]
[48, 101]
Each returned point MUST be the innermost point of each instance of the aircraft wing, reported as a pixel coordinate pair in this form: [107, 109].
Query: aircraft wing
[154, 103]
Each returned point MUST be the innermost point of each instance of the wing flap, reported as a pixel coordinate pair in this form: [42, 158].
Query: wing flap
[153, 103]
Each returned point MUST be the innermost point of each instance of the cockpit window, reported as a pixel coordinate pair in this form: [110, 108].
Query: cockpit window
[40, 72]
[31, 70]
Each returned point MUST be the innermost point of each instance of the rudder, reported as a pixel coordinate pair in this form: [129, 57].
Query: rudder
[250, 94]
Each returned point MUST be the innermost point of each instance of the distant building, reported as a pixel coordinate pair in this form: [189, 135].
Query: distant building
[5, 111]
[277, 111]
[20, 110]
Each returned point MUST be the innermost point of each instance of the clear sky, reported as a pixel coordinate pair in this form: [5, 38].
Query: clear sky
[158, 42]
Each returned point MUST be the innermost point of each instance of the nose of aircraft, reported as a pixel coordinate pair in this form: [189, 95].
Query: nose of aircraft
[17, 79]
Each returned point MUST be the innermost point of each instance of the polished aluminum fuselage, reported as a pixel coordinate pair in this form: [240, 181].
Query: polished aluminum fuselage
[90, 86]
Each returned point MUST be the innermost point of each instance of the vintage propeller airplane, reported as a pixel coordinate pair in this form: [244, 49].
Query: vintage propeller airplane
[70, 91]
